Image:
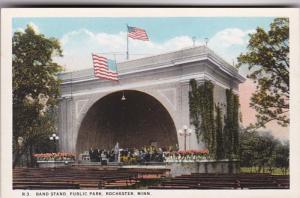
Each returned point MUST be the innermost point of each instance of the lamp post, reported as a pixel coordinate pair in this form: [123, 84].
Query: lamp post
[54, 138]
[185, 132]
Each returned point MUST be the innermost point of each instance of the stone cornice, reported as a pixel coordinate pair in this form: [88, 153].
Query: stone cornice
[179, 79]
[171, 59]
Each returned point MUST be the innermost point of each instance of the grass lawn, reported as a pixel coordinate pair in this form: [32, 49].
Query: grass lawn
[275, 171]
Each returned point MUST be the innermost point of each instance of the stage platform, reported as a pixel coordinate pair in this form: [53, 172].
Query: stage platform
[176, 168]
[148, 165]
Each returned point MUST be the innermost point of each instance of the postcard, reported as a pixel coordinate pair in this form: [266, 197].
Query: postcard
[149, 102]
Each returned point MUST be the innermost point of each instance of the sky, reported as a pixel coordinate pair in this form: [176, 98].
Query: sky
[80, 37]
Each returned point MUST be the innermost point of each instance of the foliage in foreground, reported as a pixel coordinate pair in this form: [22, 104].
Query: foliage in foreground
[35, 91]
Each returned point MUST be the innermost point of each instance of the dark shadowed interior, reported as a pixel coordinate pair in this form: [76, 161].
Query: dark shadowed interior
[135, 122]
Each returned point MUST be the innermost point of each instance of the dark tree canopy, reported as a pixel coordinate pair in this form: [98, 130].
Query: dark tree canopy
[268, 61]
[35, 88]
[262, 151]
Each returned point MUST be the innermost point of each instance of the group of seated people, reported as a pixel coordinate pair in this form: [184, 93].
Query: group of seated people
[128, 155]
[139, 156]
[100, 155]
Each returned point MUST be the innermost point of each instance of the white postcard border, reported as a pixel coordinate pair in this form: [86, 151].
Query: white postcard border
[6, 87]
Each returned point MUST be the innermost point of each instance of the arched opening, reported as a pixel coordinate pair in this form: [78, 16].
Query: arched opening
[138, 121]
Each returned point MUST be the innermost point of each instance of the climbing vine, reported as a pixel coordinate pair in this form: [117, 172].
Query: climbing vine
[219, 133]
[207, 119]
[231, 128]
[202, 113]
[195, 108]
[236, 141]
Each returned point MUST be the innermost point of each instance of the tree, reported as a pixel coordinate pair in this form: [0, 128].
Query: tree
[247, 145]
[263, 151]
[35, 89]
[281, 159]
[268, 62]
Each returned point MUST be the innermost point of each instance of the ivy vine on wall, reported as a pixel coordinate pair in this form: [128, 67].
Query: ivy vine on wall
[219, 132]
[206, 117]
[231, 128]
[201, 102]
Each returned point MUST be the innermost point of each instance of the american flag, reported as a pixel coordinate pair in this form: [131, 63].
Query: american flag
[137, 33]
[104, 67]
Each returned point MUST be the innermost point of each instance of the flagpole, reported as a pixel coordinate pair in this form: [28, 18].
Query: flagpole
[116, 67]
[127, 52]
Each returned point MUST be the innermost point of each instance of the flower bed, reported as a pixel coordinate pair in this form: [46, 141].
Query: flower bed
[54, 156]
[188, 155]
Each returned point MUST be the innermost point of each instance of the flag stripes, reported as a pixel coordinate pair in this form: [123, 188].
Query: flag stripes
[137, 33]
[102, 68]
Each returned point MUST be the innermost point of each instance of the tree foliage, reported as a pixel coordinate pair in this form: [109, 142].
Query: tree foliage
[35, 89]
[263, 152]
[281, 158]
[268, 62]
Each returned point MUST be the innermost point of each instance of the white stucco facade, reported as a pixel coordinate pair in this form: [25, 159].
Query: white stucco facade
[165, 77]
